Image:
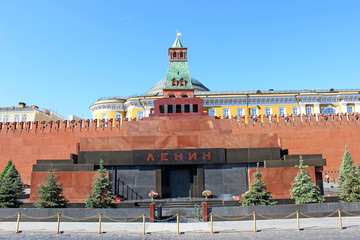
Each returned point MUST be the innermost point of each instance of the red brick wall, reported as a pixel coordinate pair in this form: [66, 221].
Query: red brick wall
[76, 185]
[278, 180]
[327, 138]
[57, 140]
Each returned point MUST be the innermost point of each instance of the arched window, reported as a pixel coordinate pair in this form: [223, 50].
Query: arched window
[171, 96]
[328, 110]
[174, 54]
[184, 95]
[181, 55]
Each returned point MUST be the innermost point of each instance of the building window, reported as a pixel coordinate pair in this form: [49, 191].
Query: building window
[195, 108]
[308, 110]
[329, 110]
[181, 54]
[254, 112]
[240, 112]
[24, 118]
[174, 54]
[140, 114]
[268, 111]
[212, 112]
[104, 116]
[282, 111]
[6, 118]
[184, 95]
[295, 110]
[118, 116]
[350, 109]
[16, 118]
[226, 112]
[171, 96]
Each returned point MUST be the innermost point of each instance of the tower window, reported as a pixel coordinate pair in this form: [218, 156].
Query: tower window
[187, 108]
[174, 54]
[182, 82]
[170, 109]
[181, 54]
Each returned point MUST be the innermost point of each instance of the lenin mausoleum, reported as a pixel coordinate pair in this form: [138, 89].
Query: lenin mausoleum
[180, 138]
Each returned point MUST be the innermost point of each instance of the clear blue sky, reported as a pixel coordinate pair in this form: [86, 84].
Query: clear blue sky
[64, 55]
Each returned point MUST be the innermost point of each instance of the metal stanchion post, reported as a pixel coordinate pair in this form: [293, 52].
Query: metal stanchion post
[211, 224]
[143, 224]
[177, 221]
[298, 221]
[339, 211]
[254, 215]
[17, 223]
[58, 223]
[99, 223]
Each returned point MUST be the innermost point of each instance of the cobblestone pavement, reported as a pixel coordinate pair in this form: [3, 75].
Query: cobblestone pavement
[347, 234]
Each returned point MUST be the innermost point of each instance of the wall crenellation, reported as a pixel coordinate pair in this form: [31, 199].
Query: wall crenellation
[116, 124]
[58, 126]
[299, 120]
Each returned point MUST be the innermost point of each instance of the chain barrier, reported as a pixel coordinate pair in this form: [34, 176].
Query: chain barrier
[308, 216]
[4, 218]
[265, 217]
[351, 214]
[38, 218]
[233, 219]
[80, 219]
[177, 216]
[187, 218]
[165, 220]
[115, 220]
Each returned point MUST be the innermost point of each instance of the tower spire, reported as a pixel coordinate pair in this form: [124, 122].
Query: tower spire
[177, 43]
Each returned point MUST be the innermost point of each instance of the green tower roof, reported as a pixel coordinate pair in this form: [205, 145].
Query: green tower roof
[178, 69]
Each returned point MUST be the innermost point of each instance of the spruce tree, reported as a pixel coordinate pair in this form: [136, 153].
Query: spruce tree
[11, 187]
[258, 194]
[346, 165]
[102, 193]
[351, 186]
[304, 189]
[51, 194]
[9, 163]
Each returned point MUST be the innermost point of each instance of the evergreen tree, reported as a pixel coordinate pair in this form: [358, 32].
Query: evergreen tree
[9, 163]
[102, 193]
[351, 186]
[346, 165]
[51, 194]
[304, 189]
[258, 194]
[11, 187]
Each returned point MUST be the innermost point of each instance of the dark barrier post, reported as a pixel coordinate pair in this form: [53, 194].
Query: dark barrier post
[205, 211]
[152, 212]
